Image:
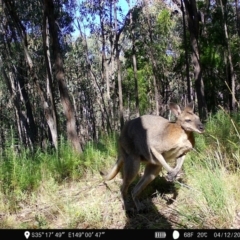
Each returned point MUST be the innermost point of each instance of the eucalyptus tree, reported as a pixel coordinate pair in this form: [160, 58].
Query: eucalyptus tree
[232, 79]
[34, 74]
[103, 23]
[214, 40]
[156, 53]
[14, 72]
[194, 19]
[49, 9]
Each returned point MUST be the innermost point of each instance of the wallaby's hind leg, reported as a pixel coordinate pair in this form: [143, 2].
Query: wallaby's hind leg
[130, 170]
[150, 173]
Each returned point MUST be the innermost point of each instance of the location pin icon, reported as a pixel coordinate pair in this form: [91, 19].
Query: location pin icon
[27, 234]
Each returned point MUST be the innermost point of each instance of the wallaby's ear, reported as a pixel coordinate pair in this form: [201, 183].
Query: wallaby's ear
[175, 109]
[190, 106]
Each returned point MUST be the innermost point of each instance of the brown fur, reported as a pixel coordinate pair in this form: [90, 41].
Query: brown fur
[155, 141]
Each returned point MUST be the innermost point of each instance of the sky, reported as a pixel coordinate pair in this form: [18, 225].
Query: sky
[122, 3]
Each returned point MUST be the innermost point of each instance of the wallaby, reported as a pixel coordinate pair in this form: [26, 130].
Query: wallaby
[154, 141]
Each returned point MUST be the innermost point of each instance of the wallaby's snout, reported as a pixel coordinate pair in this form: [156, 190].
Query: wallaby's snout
[201, 128]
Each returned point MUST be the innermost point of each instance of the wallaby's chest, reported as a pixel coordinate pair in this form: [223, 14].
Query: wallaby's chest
[175, 144]
[175, 152]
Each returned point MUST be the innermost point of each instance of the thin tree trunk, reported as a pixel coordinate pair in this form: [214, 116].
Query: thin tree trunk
[103, 50]
[96, 85]
[189, 90]
[134, 60]
[237, 17]
[119, 75]
[15, 102]
[154, 64]
[233, 101]
[64, 95]
[193, 25]
[49, 109]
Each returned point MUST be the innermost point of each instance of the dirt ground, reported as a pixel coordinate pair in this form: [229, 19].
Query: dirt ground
[93, 204]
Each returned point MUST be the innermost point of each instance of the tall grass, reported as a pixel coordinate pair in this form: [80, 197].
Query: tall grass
[212, 172]
[69, 186]
[21, 170]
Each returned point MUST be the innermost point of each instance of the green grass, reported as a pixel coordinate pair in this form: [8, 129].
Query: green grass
[24, 171]
[65, 190]
[212, 172]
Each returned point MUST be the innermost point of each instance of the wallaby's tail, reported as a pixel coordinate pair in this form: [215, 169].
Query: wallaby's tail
[114, 171]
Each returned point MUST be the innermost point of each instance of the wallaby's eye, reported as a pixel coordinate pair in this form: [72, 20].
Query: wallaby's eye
[188, 120]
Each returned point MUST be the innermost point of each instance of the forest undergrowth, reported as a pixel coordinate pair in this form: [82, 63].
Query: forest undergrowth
[48, 190]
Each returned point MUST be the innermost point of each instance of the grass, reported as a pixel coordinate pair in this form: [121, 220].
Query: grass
[66, 191]
[213, 174]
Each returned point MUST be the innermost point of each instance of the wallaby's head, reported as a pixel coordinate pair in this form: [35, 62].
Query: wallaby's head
[187, 119]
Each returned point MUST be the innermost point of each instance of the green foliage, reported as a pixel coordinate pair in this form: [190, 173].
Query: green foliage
[96, 155]
[211, 194]
[143, 88]
[207, 196]
[21, 170]
[209, 171]
[223, 138]
[211, 57]
[164, 22]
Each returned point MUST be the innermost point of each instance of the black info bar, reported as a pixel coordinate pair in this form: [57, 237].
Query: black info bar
[118, 234]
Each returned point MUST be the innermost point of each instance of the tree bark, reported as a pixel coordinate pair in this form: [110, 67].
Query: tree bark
[59, 73]
[26, 118]
[49, 109]
[103, 108]
[119, 75]
[189, 90]
[134, 60]
[154, 64]
[233, 101]
[193, 26]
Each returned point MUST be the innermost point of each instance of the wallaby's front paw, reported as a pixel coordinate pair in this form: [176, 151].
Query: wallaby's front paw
[170, 177]
[173, 176]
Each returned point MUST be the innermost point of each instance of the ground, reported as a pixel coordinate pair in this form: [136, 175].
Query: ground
[90, 203]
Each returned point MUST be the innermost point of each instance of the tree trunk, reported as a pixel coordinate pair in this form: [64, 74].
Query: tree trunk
[16, 76]
[193, 26]
[134, 60]
[119, 75]
[189, 90]
[232, 81]
[49, 109]
[237, 17]
[154, 64]
[95, 84]
[15, 103]
[59, 72]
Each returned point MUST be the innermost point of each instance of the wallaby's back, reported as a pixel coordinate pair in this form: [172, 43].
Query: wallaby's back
[139, 134]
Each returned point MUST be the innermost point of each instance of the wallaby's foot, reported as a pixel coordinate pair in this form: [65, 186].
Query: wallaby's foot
[132, 209]
[141, 207]
[131, 212]
[128, 206]
[129, 209]
[173, 176]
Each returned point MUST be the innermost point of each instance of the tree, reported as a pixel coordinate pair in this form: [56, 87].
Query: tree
[193, 25]
[232, 76]
[59, 73]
